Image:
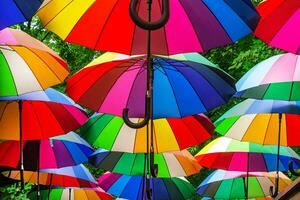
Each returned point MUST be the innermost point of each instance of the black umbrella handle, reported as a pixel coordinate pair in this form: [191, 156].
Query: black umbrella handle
[272, 192]
[150, 25]
[292, 170]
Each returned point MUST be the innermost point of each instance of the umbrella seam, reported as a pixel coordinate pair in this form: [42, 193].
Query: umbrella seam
[15, 86]
[20, 9]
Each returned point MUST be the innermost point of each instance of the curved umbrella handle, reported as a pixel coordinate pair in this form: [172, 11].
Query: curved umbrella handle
[292, 170]
[272, 192]
[153, 166]
[132, 124]
[150, 25]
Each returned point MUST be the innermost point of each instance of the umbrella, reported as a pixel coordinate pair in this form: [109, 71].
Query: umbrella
[231, 185]
[275, 78]
[112, 86]
[74, 176]
[175, 164]
[58, 152]
[71, 193]
[232, 155]
[27, 64]
[14, 12]
[193, 26]
[171, 134]
[131, 187]
[278, 26]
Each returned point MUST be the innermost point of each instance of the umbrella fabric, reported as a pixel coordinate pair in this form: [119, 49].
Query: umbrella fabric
[67, 150]
[193, 26]
[279, 24]
[228, 154]
[172, 134]
[112, 86]
[71, 193]
[39, 119]
[75, 176]
[176, 164]
[131, 187]
[14, 12]
[275, 78]
[27, 64]
[231, 185]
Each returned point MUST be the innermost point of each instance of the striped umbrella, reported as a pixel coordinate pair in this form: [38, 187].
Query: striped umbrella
[275, 78]
[14, 12]
[109, 132]
[71, 193]
[176, 164]
[112, 86]
[58, 152]
[228, 154]
[231, 185]
[131, 187]
[193, 26]
[279, 24]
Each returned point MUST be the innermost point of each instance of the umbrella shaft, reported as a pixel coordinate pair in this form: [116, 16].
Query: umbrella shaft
[21, 146]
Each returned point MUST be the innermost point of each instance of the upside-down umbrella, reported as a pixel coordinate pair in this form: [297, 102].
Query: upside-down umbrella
[71, 193]
[133, 187]
[193, 26]
[171, 134]
[231, 185]
[278, 26]
[233, 155]
[27, 64]
[58, 152]
[14, 12]
[109, 87]
[175, 164]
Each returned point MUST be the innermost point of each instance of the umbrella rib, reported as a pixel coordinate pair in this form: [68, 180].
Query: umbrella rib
[134, 29]
[20, 9]
[265, 136]
[191, 131]
[12, 75]
[37, 119]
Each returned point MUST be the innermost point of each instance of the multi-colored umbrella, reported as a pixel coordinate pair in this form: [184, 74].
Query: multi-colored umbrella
[75, 176]
[14, 12]
[71, 193]
[231, 185]
[232, 155]
[193, 26]
[63, 151]
[278, 26]
[27, 64]
[171, 134]
[112, 86]
[275, 78]
[131, 187]
[175, 164]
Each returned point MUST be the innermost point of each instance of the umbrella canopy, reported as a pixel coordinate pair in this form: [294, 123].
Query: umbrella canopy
[228, 154]
[27, 64]
[231, 185]
[193, 26]
[131, 187]
[279, 24]
[112, 86]
[71, 193]
[67, 150]
[14, 12]
[37, 119]
[275, 78]
[75, 176]
[177, 164]
[172, 134]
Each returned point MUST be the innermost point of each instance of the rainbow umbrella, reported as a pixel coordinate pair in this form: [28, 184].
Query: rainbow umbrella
[231, 185]
[112, 86]
[275, 78]
[58, 152]
[172, 134]
[131, 187]
[27, 64]
[228, 154]
[193, 26]
[278, 26]
[14, 12]
[175, 164]
[75, 176]
[71, 193]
